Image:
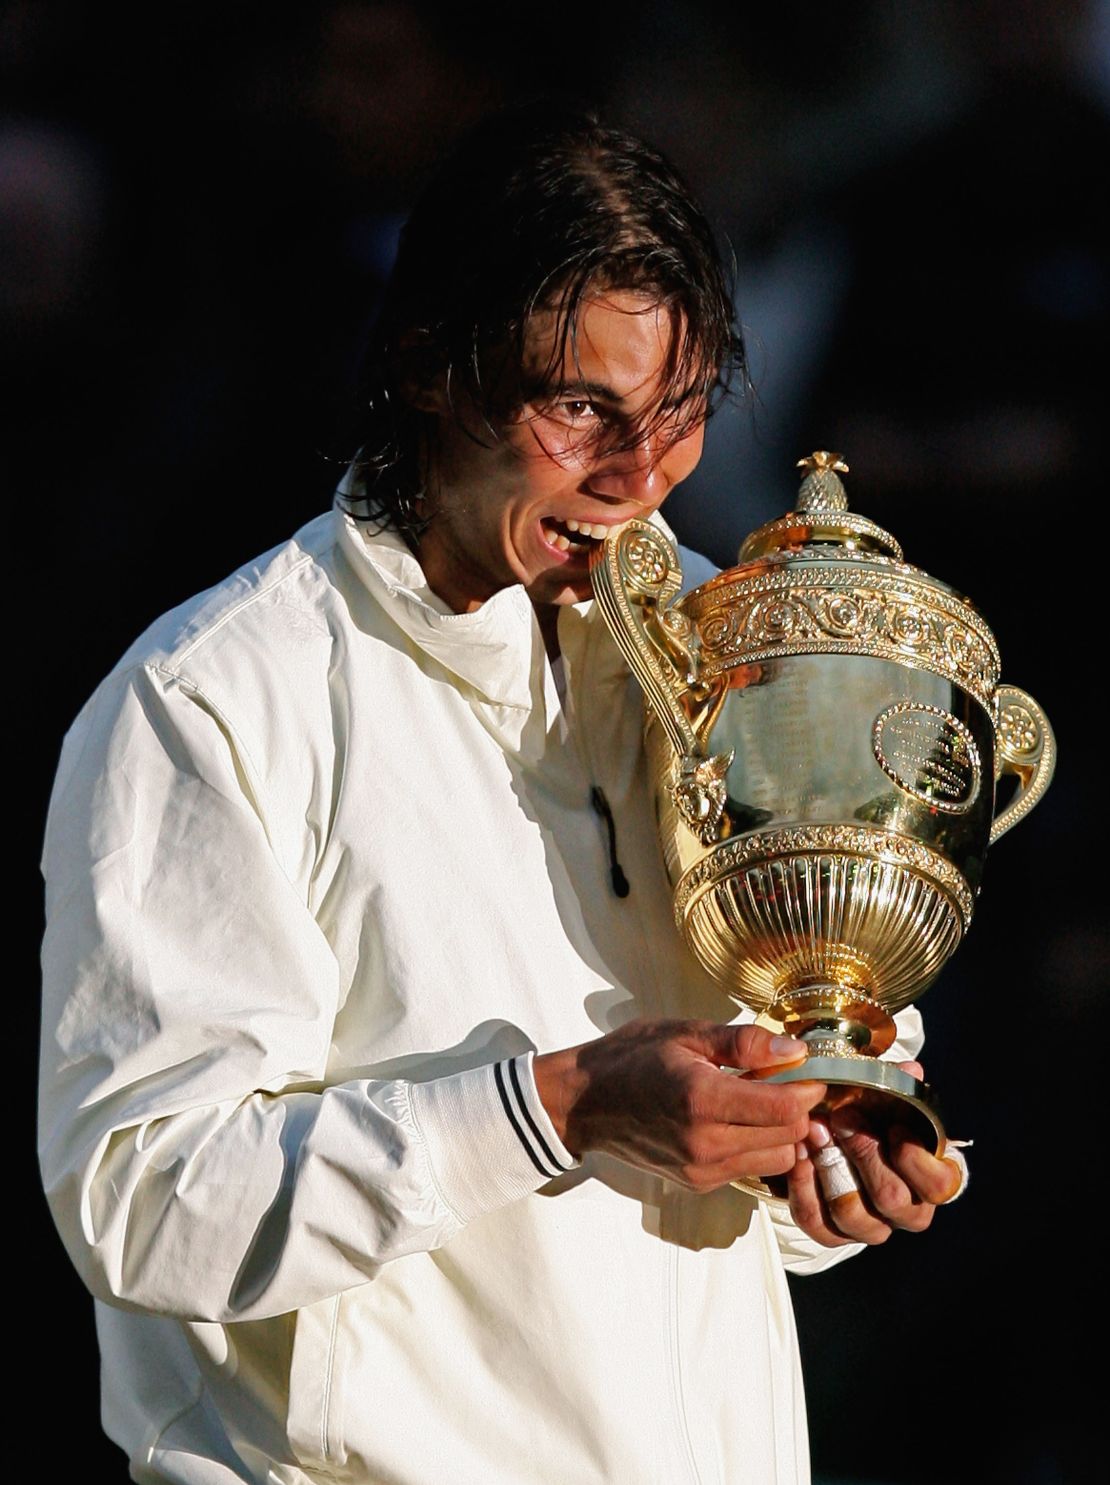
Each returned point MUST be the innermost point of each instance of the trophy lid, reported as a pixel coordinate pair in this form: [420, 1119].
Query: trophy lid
[822, 580]
[821, 517]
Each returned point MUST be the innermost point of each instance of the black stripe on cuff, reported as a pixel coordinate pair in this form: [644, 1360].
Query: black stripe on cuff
[518, 1128]
[532, 1125]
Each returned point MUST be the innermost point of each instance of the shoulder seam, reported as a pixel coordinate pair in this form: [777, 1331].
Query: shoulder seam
[245, 602]
[217, 711]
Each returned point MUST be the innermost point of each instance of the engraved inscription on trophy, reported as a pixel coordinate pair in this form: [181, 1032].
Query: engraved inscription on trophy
[929, 753]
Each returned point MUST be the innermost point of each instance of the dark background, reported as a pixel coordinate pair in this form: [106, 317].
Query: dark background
[198, 204]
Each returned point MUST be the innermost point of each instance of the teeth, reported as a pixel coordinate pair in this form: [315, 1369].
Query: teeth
[587, 530]
[557, 539]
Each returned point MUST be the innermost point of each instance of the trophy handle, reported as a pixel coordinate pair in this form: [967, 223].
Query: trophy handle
[635, 573]
[1026, 747]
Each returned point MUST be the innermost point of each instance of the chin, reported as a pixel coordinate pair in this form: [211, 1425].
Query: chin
[560, 596]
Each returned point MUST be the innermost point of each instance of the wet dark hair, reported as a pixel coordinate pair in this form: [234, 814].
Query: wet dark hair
[540, 206]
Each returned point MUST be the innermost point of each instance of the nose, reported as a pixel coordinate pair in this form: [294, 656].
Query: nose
[634, 473]
[645, 472]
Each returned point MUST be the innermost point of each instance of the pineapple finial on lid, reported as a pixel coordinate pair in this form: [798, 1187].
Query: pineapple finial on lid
[822, 488]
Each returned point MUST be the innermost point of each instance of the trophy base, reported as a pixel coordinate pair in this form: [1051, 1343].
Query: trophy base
[886, 1095]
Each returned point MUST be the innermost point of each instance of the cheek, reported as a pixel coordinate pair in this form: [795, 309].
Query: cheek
[681, 459]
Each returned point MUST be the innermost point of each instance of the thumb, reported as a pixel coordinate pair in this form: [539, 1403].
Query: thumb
[753, 1048]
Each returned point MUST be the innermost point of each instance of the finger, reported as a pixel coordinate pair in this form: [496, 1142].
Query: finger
[807, 1205]
[885, 1195]
[846, 1213]
[836, 1175]
[775, 1160]
[723, 1143]
[914, 1069]
[751, 1048]
[851, 1216]
[933, 1179]
[726, 1099]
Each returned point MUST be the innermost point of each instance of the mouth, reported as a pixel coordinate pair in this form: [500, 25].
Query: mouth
[573, 537]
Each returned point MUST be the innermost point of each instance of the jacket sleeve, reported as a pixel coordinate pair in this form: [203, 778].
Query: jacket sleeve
[196, 1161]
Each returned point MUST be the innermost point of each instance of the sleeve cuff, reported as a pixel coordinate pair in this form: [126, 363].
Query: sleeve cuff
[800, 1253]
[489, 1138]
[910, 1036]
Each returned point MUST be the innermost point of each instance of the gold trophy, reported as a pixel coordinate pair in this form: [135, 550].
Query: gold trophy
[825, 729]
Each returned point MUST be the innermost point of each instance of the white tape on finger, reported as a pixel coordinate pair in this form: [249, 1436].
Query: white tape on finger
[954, 1154]
[834, 1171]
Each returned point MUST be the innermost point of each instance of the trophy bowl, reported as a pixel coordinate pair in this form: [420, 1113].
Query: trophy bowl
[825, 729]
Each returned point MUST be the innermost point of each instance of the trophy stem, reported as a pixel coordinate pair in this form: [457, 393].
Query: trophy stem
[835, 1038]
[835, 1020]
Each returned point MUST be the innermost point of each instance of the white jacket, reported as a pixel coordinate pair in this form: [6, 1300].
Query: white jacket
[322, 874]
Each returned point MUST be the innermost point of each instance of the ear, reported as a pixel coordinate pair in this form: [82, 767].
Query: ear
[429, 398]
[423, 382]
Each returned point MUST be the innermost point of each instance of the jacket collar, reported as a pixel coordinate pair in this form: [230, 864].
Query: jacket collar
[498, 650]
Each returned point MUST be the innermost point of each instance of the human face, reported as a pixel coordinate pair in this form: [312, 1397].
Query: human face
[529, 504]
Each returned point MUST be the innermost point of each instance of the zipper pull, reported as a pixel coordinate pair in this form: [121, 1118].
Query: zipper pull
[616, 874]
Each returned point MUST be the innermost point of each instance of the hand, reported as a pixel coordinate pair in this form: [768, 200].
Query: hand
[652, 1093]
[900, 1183]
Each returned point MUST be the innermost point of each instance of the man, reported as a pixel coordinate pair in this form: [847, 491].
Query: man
[384, 1119]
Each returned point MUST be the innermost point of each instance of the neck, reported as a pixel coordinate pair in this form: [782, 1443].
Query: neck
[548, 616]
[440, 568]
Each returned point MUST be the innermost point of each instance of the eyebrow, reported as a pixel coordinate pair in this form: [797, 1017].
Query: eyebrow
[596, 391]
[601, 392]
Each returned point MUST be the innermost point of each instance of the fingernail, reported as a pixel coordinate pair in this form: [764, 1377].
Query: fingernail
[819, 1134]
[846, 1125]
[789, 1048]
[800, 1151]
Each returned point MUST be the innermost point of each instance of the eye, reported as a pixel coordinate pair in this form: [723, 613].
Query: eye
[577, 410]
